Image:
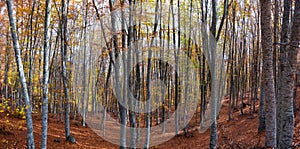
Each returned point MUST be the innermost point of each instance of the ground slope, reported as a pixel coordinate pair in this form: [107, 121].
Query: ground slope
[241, 132]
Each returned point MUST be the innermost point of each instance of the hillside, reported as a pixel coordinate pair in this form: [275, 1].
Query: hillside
[241, 132]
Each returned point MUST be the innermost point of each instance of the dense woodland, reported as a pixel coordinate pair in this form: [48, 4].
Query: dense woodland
[125, 66]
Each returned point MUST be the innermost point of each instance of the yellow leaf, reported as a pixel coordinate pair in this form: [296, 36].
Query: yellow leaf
[1, 111]
[5, 141]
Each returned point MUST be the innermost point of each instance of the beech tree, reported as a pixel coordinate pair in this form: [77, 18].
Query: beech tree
[16, 45]
[76, 56]
[268, 73]
[288, 62]
[64, 49]
[46, 74]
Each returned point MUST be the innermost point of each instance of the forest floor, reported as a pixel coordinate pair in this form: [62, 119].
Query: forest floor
[241, 132]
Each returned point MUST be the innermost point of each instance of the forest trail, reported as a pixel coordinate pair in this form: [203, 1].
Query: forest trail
[241, 132]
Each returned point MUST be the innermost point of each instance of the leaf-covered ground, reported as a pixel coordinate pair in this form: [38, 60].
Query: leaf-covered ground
[241, 132]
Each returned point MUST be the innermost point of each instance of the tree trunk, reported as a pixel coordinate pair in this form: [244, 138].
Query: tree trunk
[288, 71]
[284, 39]
[261, 120]
[268, 73]
[46, 74]
[28, 109]
[7, 59]
[149, 95]
[64, 48]
[117, 77]
[213, 105]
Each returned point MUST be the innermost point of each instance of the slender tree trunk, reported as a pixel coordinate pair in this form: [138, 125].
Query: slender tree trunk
[213, 27]
[275, 36]
[84, 99]
[117, 77]
[284, 38]
[31, 52]
[262, 123]
[131, 102]
[7, 59]
[261, 120]
[176, 64]
[28, 109]
[268, 73]
[288, 71]
[149, 95]
[213, 105]
[64, 10]
[46, 74]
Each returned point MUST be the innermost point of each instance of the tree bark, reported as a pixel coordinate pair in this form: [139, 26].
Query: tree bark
[284, 39]
[64, 10]
[288, 71]
[46, 74]
[213, 105]
[16, 45]
[268, 73]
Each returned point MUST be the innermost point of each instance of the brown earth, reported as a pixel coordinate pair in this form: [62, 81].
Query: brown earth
[241, 132]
